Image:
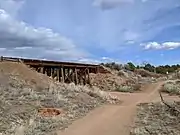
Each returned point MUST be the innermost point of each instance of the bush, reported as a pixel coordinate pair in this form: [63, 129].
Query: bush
[172, 88]
[128, 88]
[124, 89]
[130, 66]
[113, 66]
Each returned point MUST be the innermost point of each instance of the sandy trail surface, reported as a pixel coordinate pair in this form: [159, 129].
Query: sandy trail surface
[115, 119]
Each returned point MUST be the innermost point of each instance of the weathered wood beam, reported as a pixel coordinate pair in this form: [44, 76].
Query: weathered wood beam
[73, 76]
[76, 76]
[62, 74]
[41, 69]
[58, 73]
[89, 82]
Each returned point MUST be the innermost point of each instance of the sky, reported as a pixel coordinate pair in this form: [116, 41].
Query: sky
[92, 31]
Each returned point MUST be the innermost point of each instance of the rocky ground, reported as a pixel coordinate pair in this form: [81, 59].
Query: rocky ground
[157, 119]
[33, 104]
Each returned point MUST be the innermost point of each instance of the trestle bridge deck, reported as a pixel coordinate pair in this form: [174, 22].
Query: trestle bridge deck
[66, 72]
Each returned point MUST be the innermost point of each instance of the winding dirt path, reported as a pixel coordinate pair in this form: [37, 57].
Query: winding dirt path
[114, 119]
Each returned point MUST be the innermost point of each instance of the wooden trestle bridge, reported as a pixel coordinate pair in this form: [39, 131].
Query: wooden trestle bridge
[65, 72]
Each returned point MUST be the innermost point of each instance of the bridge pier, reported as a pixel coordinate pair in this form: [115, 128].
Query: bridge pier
[65, 74]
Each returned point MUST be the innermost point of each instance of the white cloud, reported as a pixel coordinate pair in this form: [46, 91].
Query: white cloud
[134, 21]
[161, 46]
[11, 6]
[22, 39]
[98, 60]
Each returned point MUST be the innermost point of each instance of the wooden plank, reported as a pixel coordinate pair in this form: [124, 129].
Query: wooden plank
[51, 62]
[56, 65]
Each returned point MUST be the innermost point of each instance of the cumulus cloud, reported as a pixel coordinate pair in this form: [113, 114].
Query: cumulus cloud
[98, 60]
[22, 39]
[11, 6]
[134, 22]
[161, 46]
[14, 32]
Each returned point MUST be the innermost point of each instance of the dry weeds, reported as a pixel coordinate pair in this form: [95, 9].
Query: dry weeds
[122, 80]
[23, 92]
[172, 87]
[157, 119]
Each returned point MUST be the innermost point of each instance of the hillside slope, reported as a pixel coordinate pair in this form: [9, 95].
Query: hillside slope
[33, 104]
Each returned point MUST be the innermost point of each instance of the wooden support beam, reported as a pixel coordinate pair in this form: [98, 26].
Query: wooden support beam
[58, 73]
[49, 71]
[1, 58]
[41, 69]
[37, 69]
[62, 74]
[73, 76]
[76, 76]
[89, 81]
[68, 75]
[97, 69]
[52, 72]
[44, 70]
[85, 77]
[68, 72]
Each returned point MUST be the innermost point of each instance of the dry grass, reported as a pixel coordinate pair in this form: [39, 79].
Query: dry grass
[129, 88]
[123, 80]
[172, 87]
[156, 119]
[22, 97]
[145, 73]
[106, 82]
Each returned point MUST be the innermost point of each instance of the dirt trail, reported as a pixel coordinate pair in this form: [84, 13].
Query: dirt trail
[116, 119]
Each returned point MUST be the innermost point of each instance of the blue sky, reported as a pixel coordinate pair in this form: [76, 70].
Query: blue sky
[92, 30]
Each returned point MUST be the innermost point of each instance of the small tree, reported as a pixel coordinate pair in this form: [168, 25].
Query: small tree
[149, 67]
[130, 66]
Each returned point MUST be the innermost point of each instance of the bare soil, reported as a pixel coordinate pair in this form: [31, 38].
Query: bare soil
[117, 119]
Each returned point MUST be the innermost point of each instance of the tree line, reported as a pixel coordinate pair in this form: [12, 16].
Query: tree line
[162, 69]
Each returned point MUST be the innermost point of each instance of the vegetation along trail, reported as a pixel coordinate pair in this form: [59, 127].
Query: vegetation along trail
[114, 119]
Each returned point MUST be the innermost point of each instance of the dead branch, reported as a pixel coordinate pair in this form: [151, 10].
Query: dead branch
[173, 108]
